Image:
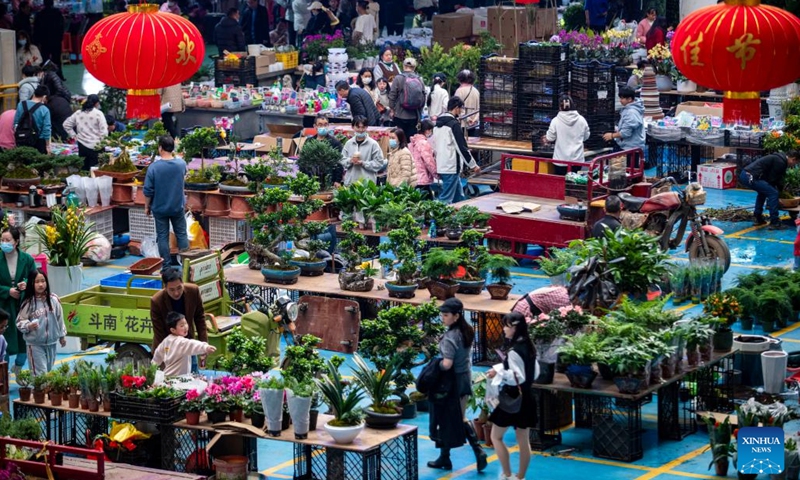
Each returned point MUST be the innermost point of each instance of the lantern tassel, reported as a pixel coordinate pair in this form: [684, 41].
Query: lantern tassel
[741, 107]
[143, 104]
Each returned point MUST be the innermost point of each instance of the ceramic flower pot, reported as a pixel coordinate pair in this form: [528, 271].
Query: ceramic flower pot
[287, 276]
[240, 207]
[498, 291]
[25, 394]
[381, 421]
[217, 205]
[663, 83]
[401, 291]
[471, 287]
[344, 435]
[192, 418]
[310, 269]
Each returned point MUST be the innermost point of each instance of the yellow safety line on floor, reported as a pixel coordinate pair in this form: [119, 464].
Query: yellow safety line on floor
[746, 230]
[531, 275]
[287, 464]
[772, 240]
[674, 463]
[786, 330]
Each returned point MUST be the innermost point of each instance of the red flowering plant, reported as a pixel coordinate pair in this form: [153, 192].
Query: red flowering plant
[132, 383]
[719, 437]
[122, 439]
[193, 402]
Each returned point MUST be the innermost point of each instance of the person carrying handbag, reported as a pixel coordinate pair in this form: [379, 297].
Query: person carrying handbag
[509, 381]
[449, 426]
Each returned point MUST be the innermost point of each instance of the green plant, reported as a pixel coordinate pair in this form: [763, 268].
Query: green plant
[57, 382]
[696, 332]
[650, 314]
[150, 139]
[19, 162]
[318, 159]
[629, 360]
[40, 383]
[24, 378]
[469, 216]
[773, 306]
[581, 349]
[377, 384]
[415, 328]
[450, 62]
[500, 268]
[557, 261]
[122, 163]
[574, 17]
[405, 243]
[245, 354]
[440, 263]
[343, 400]
[477, 401]
[113, 101]
[353, 248]
[271, 169]
[302, 361]
[195, 145]
[547, 331]
[66, 239]
[23, 429]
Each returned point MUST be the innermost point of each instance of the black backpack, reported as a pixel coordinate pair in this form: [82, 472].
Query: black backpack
[27, 133]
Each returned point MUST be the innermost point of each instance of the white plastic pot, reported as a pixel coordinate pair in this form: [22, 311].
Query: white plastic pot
[773, 368]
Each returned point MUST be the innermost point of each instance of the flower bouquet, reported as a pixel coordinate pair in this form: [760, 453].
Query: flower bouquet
[123, 444]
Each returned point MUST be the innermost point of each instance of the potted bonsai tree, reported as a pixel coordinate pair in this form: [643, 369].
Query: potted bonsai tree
[276, 230]
[348, 418]
[16, 166]
[499, 267]
[579, 353]
[383, 413]
[24, 379]
[405, 244]
[121, 167]
[353, 249]
[307, 259]
[440, 266]
[194, 145]
[474, 258]
[318, 159]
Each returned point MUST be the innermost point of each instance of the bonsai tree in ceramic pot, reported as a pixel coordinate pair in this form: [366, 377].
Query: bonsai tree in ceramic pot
[121, 167]
[499, 267]
[17, 172]
[405, 244]
[308, 257]
[377, 384]
[268, 171]
[194, 145]
[440, 266]
[473, 261]
[415, 328]
[348, 418]
[318, 159]
[355, 277]
[579, 353]
[275, 230]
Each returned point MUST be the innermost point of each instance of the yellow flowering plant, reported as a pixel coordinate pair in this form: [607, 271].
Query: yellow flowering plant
[66, 237]
[723, 306]
[661, 60]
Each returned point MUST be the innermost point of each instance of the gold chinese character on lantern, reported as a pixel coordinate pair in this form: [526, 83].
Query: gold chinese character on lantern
[743, 48]
[693, 52]
[185, 49]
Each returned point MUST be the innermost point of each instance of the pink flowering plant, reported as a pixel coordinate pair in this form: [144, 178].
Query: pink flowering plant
[572, 316]
[194, 401]
[216, 398]
[315, 46]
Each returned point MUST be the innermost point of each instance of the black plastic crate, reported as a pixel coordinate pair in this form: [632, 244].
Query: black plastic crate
[493, 98]
[158, 410]
[543, 70]
[542, 86]
[535, 115]
[531, 132]
[593, 101]
[503, 65]
[537, 52]
[498, 130]
[243, 64]
[528, 101]
[593, 73]
[745, 139]
[501, 82]
[504, 116]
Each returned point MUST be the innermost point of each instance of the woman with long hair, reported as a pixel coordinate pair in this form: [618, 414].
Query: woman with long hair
[366, 81]
[439, 96]
[41, 320]
[449, 426]
[515, 373]
[88, 125]
[27, 54]
[16, 267]
[657, 35]
[401, 168]
[644, 26]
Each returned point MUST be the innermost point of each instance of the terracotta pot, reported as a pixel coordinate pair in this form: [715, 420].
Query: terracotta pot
[487, 434]
[721, 467]
[117, 176]
[38, 397]
[56, 399]
[240, 207]
[138, 198]
[217, 205]
[237, 415]
[498, 291]
[195, 201]
[25, 394]
[94, 405]
[84, 403]
[192, 418]
[441, 290]
[65, 396]
[74, 400]
[106, 404]
[121, 193]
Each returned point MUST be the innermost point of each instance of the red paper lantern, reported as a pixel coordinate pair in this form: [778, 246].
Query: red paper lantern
[741, 47]
[142, 50]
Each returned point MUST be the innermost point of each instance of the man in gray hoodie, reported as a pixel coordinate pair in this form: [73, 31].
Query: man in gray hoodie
[630, 131]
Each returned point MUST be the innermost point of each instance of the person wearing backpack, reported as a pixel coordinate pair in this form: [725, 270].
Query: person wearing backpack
[28, 84]
[360, 101]
[32, 126]
[407, 98]
[452, 152]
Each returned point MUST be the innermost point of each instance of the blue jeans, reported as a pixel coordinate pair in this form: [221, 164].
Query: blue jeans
[766, 192]
[162, 235]
[452, 190]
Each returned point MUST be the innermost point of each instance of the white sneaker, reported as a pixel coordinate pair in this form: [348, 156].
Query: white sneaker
[501, 476]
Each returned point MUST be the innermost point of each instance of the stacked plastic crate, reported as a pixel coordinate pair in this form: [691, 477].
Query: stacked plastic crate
[543, 76]
[497, 85]
[593, 88]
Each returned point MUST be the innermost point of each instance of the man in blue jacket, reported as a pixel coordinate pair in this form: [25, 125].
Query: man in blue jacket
[164, 198]
[630, 131]
[361, 103]
[41, 118]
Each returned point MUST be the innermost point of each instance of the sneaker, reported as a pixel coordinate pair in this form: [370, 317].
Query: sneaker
[776, 226]
[759, 221]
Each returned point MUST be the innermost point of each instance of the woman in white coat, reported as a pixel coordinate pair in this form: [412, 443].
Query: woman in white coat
[568, 130]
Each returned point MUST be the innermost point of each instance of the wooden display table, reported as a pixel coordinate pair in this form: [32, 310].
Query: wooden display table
[123, 471]
[486, 314]
[616, 418]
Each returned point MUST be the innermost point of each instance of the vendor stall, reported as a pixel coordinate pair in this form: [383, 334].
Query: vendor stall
[246, 127]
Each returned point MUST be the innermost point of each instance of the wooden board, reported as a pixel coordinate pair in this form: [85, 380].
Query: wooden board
[328, 284]
[123, 471]
[546, 211]
[336, 321]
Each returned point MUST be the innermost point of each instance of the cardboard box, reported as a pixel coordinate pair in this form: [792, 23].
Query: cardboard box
[700, 108]
[452, 28]
[262, 71]
[720, 176]
[510, 26]
[546, 22]
[268, 143]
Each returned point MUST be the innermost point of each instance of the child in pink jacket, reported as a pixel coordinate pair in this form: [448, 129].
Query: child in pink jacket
[424, 156]
[176, 351]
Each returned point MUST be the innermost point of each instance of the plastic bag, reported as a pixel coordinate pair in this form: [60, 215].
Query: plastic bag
[90, 190]
[75, 182]
[104, 187]
[150, 248]
[197, 238]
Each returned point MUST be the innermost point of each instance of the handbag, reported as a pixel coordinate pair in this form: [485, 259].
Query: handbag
[510, 398]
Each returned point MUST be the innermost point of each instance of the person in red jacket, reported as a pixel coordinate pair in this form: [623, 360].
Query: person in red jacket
[657, 34]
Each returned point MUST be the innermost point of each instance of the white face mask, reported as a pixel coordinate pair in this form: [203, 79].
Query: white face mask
[22, 43]
[366, 80]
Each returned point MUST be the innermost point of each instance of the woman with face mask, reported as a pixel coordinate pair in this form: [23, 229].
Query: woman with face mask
[27, 53]
[402, 168]
[424, 157]
[366, 81]
[16, 267]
